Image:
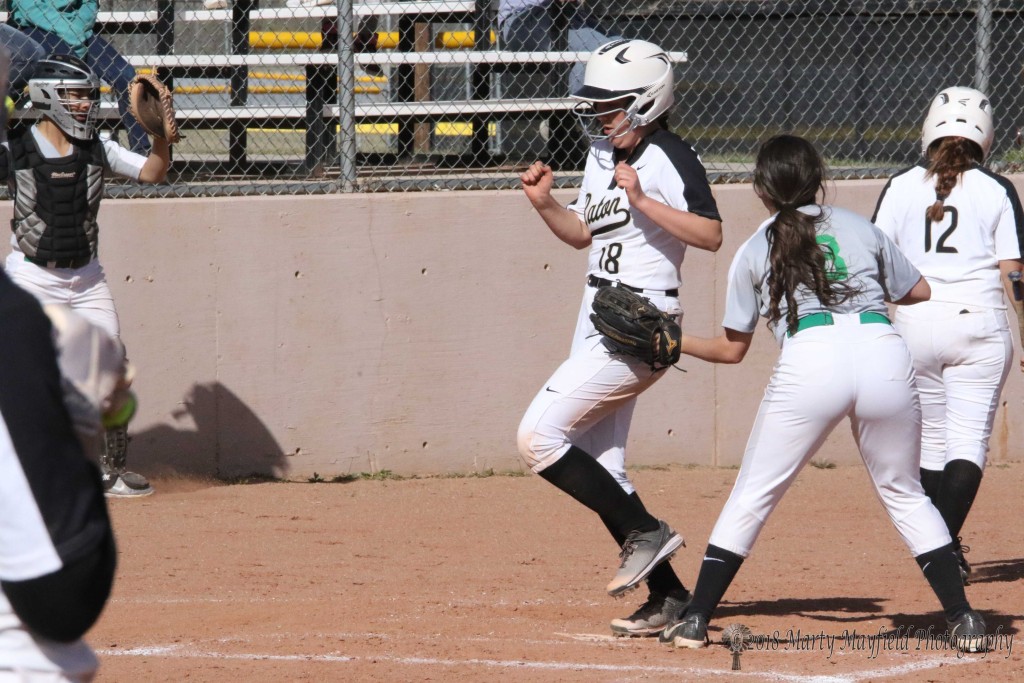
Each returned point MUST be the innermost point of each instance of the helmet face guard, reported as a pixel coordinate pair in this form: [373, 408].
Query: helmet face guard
[66, 91]
[633, 70]
[590, 120]
[960, 112]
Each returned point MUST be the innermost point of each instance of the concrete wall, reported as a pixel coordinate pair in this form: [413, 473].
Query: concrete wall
[404, 332]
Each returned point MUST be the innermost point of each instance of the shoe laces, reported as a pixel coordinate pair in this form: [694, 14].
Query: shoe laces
[963, 548]
[629, 547]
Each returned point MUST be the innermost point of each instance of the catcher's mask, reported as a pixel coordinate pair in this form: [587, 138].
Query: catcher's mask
[633, 70]
[961, 112]
[65, 90]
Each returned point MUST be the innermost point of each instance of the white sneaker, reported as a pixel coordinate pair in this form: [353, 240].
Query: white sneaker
[126, 485]
[215, 4]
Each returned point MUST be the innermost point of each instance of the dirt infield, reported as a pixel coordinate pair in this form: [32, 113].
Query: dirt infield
[502, 578]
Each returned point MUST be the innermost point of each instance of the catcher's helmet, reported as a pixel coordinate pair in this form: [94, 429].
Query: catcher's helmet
[962, 112]
[622, 69]
[48, 88]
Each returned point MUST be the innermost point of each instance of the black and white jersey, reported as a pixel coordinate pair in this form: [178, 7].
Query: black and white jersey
[627, 245]
[982, 224]
[52, 511]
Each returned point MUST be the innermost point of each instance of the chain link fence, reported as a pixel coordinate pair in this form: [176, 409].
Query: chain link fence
[457, 94]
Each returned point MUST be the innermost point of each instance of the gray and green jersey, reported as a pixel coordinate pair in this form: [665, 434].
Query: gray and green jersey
[861, 255]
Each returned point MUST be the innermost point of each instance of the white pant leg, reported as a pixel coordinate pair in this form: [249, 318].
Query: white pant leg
[931, 391]
[973, 387]
[588, 402]
[823, 374]
[84, 289]
[587, 390]
[810, 391]
[962, 361]
[606, 441]
[886, 422]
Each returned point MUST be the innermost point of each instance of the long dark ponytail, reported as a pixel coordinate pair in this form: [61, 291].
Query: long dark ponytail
[790, 173]
[948, 158]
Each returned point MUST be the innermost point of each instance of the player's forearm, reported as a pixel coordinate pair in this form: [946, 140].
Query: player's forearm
[565, 224]
[157, 163]
[698, 231]
[730, 347]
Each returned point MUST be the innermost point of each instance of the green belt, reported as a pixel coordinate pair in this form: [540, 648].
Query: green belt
[825, 318]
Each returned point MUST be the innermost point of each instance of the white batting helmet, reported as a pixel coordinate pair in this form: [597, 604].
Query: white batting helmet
[963, 112]
[627, 69]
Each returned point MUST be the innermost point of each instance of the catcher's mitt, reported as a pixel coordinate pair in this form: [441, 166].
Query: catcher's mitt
[634, 326]
[152, 105]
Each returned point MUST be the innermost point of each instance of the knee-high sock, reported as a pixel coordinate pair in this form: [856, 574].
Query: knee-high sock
[960, 482]
[663, 579]
[716, 573]
[931, 481]
[942, 569]
[586, 480]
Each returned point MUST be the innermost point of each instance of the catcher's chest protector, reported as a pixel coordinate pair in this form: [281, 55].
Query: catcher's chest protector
[57, 199]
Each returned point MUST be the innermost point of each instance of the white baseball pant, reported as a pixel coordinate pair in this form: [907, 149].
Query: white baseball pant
[962, 356]
[588, 402]
[823, 375]
[84, 289]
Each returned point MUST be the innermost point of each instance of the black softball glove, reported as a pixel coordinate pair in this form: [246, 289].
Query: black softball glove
[634, 326]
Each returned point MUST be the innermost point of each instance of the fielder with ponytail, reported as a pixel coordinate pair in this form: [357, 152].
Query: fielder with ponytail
[962, 226]
[821, 276]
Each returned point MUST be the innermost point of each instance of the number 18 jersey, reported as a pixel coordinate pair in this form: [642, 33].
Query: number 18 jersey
[982, 224]
[627, 245]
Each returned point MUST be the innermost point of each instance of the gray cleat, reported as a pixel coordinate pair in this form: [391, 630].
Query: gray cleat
[641, 553]
[653, 616]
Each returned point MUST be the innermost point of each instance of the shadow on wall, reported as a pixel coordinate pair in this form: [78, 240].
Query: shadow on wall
[219, 437]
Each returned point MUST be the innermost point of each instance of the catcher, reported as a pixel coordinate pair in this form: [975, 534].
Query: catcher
[644, 198]
[55, 170]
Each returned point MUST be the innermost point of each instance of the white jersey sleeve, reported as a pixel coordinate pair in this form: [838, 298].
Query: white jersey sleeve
[122, 161]
[1010, 227]
[743, 302]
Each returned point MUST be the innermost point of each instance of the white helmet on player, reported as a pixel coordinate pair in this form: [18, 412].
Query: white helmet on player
[962, 112]
[65, 90]
[623, 69]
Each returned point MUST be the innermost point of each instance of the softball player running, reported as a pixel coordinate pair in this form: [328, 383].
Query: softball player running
[643, 199]
[962, 226]
[55, 173]
[821, 276]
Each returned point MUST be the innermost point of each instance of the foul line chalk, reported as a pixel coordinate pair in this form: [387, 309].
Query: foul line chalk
[181, 652]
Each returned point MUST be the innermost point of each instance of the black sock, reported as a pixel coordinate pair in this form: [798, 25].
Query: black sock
[942, 569]
[586, 480]
[662, 579]
[716, 573]
[931, 480]
[960, 482]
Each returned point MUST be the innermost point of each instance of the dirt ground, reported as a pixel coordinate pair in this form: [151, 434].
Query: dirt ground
[502, 578]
